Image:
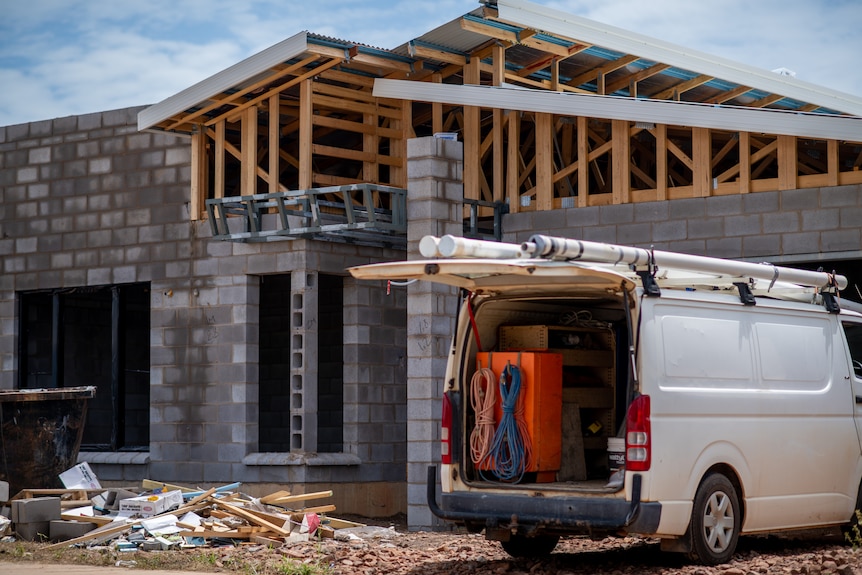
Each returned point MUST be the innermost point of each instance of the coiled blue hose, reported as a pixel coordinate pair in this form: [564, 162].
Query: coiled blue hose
[510, 449]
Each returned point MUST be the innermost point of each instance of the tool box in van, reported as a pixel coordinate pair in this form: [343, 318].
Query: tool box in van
[604, 390]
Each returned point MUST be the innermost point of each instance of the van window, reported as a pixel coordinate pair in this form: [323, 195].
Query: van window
[706, 351]
[794, 355]
[853, 333]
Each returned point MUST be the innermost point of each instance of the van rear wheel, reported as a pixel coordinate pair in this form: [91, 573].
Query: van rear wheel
[532, 547]
[715, 521]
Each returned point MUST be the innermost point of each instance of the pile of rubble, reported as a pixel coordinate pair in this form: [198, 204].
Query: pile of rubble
[160, 516]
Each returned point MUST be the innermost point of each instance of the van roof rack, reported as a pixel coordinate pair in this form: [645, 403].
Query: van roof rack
[703, 271]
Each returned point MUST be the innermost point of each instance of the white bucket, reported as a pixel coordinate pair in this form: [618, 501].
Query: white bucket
[616, 453]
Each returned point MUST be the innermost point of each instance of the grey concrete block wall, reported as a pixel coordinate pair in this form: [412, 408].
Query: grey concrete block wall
[785, 226]
[435, 194]
[89, 200]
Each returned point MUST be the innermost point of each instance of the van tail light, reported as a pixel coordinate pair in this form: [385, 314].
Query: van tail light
[638, 436]
[446, 432]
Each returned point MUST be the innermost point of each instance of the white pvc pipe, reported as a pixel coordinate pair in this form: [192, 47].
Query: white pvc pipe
[568, 249]
[456, 247]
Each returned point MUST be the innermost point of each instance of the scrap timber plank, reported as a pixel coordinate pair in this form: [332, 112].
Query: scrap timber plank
[251, 517]
[294, 498]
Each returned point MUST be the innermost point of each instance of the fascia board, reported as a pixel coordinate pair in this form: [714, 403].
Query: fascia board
[545, 19]
[729, 118]
[224, 80]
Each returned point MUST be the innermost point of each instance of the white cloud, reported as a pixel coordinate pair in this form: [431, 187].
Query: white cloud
[818, 39]
[64, 57]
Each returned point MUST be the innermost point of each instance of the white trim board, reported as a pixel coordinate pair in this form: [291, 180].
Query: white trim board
[757, 120]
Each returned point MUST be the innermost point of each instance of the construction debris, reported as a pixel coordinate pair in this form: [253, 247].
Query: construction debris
[160, 517]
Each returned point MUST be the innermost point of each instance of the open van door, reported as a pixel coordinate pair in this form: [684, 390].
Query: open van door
[513, 277]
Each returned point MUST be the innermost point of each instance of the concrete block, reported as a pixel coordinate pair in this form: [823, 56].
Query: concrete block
[804, 199]
[37, 509]
[618, 214]
[724, 205]
[827, 219]
[36, 531]
[4, 491]
[59, 530]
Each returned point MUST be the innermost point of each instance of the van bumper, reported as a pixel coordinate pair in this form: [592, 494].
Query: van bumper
[574, 515]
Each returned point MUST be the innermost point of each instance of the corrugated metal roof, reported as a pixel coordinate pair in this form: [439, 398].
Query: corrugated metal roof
[569, 26]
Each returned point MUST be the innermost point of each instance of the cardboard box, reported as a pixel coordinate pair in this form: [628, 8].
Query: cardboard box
[149, 505]
[80, 477]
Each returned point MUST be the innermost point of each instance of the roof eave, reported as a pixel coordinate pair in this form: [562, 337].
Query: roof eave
[222, 81]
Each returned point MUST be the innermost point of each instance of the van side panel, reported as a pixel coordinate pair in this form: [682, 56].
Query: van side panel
[760, 389]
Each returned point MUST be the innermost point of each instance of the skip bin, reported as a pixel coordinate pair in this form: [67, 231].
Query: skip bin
[40, 434]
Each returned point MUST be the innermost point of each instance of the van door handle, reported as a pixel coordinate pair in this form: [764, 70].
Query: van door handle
[859, 399]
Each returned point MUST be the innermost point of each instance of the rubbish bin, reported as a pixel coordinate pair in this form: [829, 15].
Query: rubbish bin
[40, 435]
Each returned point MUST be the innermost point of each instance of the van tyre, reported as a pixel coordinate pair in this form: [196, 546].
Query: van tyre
[715, 521]
[523, 546]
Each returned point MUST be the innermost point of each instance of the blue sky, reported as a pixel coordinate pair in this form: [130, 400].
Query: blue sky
[67, 57]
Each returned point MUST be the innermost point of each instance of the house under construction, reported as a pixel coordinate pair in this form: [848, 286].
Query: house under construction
[188, 258]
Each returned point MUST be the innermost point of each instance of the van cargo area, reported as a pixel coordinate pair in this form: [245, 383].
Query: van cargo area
[571, 358]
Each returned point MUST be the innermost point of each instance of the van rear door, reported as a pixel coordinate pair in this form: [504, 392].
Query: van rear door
[513, 277]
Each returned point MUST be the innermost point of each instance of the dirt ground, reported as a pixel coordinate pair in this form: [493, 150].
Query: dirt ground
[391, 550]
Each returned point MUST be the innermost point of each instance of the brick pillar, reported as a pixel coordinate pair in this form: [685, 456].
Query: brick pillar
[303, 361]
[434, 205]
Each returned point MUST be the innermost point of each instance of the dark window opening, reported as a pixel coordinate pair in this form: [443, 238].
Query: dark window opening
[330, 374]
[93, 336]
[274, 364]
[281, 392]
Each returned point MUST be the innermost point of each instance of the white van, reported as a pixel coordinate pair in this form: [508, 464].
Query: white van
[606, 390]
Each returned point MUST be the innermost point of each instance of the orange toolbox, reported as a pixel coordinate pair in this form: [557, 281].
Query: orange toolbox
[542, 394]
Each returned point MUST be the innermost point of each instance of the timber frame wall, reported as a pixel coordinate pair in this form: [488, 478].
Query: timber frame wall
[313, 122]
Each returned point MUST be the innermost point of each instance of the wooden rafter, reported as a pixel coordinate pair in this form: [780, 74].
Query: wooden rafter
[428, 53]
[766, 101]
[281, 88]
[604, 69]
[727, 96]
[682, 87]
[232, 98]
[625, 81]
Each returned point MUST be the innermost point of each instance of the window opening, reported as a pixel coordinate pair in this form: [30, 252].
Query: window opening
[330, 376]
[274, 364]
[93, 336]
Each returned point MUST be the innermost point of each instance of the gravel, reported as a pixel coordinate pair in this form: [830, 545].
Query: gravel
[384, 549]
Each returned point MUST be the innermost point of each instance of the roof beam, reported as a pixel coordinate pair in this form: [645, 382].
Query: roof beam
[605, 69]
[636, 77]
[281, 88]
[429, 53]
[524, 36]
[728, 95]
[677, 89]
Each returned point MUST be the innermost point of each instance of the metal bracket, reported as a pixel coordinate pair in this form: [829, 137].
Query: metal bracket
[745, 295]
[647, 274]
[830, 296]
